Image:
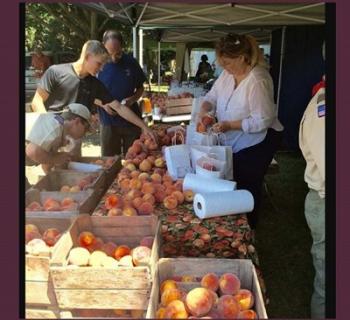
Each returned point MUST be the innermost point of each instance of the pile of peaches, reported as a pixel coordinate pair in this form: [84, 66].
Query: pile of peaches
[40, 244]
[81, 185]
[142, 183]
[50, 204]
[93, 251]
[214, 298]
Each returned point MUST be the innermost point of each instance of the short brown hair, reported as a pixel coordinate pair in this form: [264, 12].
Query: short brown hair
[234, 45]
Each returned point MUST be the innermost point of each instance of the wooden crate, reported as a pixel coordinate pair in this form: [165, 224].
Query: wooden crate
[38, 284]
[178, 106]
[106, 288]
[55, 179]
[87, 200]
[198, 267]
[33, 312]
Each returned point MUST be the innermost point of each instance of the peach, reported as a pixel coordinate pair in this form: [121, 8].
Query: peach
[68, 204]
[170, 202]
[151, 159]
[148, 197]
[96, 258]
[136, 161]
[34, 206]
[113, 201]
[37, 247]
[145, 165]
[159, 171]
[208, 120]
[129, 211]
[159, 163]
[96, 245]
[244, 298]
[176, 310]
[215, 297]
[83, 183]
[132, 194]
[75, 189]
[136, 148]
[179, 196]
[115, 212]
[160, 314]
[199, 301]
[167, 178]
[160, 196]
[131, 167]
[99, 162]
[145, 209]
[86, 239]
[210, 281]
[126, 261]
[152, 146]
[156, 177]
[137, 202]
[201, 128]
[247, 314]
[31, 228]
[30, 235]
[168, 284]
[144, 176]
[166, 140]
[189, 195]
[125, 184]
[135, 184]
[109, 248]
[148, 187]
[135, 174]
[79, 256]
[121, 251]
[141, 256]
[178, 185]
[228, 307]
[170, 190]
[137, 314]
[65, 189]
[109, 262]
[170, 295]
[147, 242]
[50, 236]
[229, 284]
[52, 205]
[109, 162]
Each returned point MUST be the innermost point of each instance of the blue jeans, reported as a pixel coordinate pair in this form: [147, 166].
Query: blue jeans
[315, 217]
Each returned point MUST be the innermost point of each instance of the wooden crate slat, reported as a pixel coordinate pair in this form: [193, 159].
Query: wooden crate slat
[40, 293]
[37, 268]
[103, 299]
[33, 313]
[100, 278]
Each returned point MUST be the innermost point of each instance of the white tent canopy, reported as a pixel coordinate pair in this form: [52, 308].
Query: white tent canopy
[181, 22]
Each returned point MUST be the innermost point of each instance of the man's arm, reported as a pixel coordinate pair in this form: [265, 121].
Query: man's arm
[40, 97]
[135, 97]
[40, 156]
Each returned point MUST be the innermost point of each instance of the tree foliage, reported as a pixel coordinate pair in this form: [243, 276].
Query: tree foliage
[65, 26]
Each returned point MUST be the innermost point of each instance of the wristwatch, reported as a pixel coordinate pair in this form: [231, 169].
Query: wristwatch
[123, 102]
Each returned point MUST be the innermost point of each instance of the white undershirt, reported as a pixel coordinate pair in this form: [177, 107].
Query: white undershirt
[252, 102]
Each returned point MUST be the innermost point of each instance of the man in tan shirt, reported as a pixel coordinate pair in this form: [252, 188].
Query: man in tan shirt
[51, 131]
[312, 144]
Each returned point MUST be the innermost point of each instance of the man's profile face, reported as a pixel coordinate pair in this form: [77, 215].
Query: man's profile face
[94, 63]
[114, 47]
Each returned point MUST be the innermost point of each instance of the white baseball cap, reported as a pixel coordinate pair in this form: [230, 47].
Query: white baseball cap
[80, 110]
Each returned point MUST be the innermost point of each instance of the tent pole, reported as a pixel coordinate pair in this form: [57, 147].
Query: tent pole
[134, 42]
[158, 66]
[281, 64]
[141, 47]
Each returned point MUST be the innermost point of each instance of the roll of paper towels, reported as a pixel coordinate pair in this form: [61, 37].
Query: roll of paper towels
[216, 204]
[199, 184]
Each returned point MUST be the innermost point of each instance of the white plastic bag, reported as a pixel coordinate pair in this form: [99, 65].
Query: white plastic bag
[178, 161]
[210, 168]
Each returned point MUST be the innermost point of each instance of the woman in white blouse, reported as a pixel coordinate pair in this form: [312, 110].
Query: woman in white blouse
[242, 100]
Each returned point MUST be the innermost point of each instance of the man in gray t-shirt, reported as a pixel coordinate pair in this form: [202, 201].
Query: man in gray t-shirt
[76, 82]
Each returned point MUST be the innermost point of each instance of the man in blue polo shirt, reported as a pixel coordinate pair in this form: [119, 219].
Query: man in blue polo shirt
[124, 78]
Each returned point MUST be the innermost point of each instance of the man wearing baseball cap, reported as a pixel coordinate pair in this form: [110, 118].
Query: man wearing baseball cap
[52, 131]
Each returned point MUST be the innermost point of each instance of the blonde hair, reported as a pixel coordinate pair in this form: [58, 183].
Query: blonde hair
[234, 45]
[95, 48]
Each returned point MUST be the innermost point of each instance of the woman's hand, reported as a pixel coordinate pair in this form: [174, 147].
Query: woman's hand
[150, 134]
[221, 127]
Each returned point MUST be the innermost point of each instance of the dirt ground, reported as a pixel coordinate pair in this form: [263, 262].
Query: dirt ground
[90, 148]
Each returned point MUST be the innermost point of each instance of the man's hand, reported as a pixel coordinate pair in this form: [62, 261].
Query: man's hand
[150, 134]
[61, 158]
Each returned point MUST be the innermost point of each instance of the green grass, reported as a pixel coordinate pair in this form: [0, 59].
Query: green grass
[283, 240]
